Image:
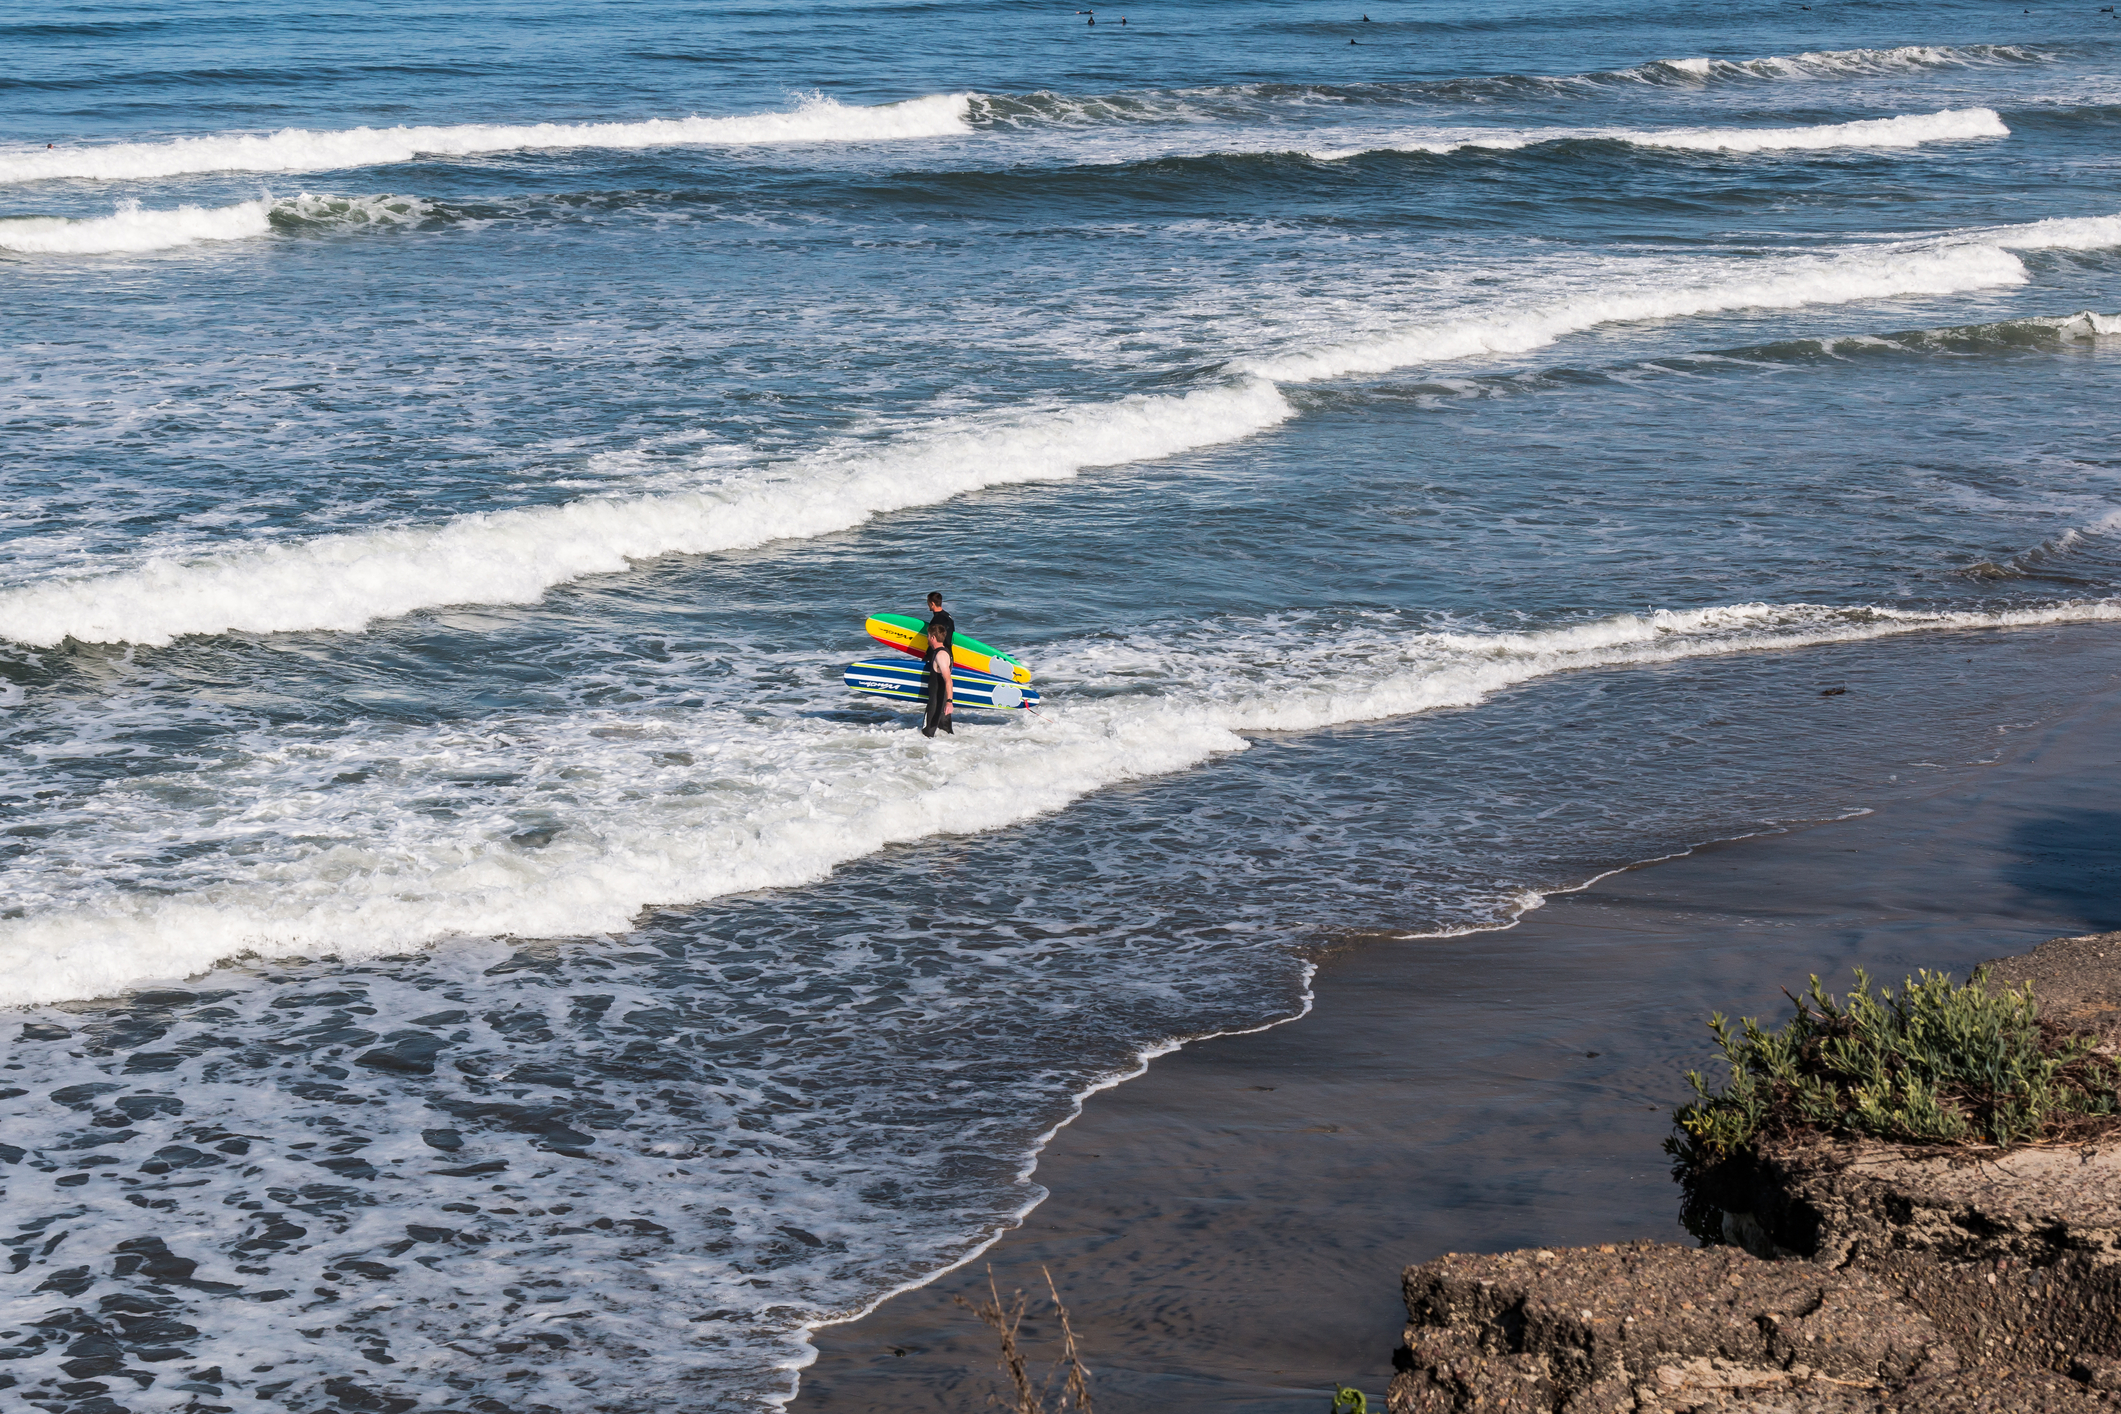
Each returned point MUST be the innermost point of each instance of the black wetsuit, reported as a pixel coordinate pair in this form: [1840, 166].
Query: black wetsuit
[941, 629]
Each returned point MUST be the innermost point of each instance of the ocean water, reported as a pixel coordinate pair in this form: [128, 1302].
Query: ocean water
[467, 949]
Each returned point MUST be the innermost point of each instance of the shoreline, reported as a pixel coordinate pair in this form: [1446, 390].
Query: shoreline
[1228, 1228]
[1148, 1056]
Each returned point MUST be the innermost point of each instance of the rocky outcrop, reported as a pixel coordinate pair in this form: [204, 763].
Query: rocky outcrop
[2016, 1257]
[1857, 1277]
[1844, 1203]
[1652, 1326]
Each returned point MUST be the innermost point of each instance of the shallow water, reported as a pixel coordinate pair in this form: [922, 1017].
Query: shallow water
[431, 554]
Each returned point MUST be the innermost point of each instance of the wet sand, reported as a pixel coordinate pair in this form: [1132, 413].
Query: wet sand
[1229, 1228]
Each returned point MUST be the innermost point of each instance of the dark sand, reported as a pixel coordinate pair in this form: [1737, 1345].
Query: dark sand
[1229, 1228]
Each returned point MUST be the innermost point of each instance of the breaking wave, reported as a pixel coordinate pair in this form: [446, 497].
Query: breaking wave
[2035, 331]
[1838, 63]
[511, 557]
[1047, 108]
[133, 229]
[817, 120]
[1952, 270]
[345, 582]
[359, 898]
[2077, 556]
[1952, 264]
[2046, 333]
[1912, 130]
[2058, 233]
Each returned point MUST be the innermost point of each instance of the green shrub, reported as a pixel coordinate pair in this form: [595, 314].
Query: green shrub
[1939, 1064]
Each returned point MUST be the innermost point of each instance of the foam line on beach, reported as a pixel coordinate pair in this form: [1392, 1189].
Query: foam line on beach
[816, 794]
[1909, 130]
[806, 1332]
[816, 120]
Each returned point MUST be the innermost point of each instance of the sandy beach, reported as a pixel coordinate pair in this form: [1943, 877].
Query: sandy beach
[1229, 1228]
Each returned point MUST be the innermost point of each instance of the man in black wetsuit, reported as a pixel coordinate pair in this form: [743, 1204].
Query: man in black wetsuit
[941, 629]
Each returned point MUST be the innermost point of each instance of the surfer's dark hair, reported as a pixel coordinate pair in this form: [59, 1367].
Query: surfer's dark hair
[935, 596]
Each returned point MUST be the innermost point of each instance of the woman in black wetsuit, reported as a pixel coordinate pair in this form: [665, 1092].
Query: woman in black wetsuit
[941, 629]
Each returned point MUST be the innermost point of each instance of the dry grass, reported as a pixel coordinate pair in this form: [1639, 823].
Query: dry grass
[1068, 1372]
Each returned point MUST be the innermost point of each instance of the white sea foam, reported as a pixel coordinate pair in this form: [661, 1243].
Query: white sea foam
[1837, 63]
[2098, 528]
[818, 120]
[1908, 130]
[2090, 324]
[322, 868]
[2061, 233]
[314, 209]
[1217, 102]
[511, 557]
[133, 229]
[347, 581]
[1951, 269]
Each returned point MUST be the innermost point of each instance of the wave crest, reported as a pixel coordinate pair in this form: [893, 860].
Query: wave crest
[1952, 270]
[817, 120]
[345, 582]
[132, 229]
[1909, 130]
[1836, 63]
[1046, 108]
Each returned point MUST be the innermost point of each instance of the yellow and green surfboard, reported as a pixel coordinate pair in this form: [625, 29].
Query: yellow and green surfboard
[910, 635]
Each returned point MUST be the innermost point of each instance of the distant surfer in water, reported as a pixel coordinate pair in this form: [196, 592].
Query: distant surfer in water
[941, 629]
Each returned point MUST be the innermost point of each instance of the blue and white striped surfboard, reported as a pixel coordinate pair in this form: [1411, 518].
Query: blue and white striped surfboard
[906, 680]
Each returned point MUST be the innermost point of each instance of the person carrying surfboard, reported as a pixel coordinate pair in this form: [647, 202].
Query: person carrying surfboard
[941, 629]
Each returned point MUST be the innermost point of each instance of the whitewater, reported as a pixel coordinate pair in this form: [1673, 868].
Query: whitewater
[346, 582]
[819, 120]
[464, 945]
[357, 898]
[132, 229]
[1906, 130]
